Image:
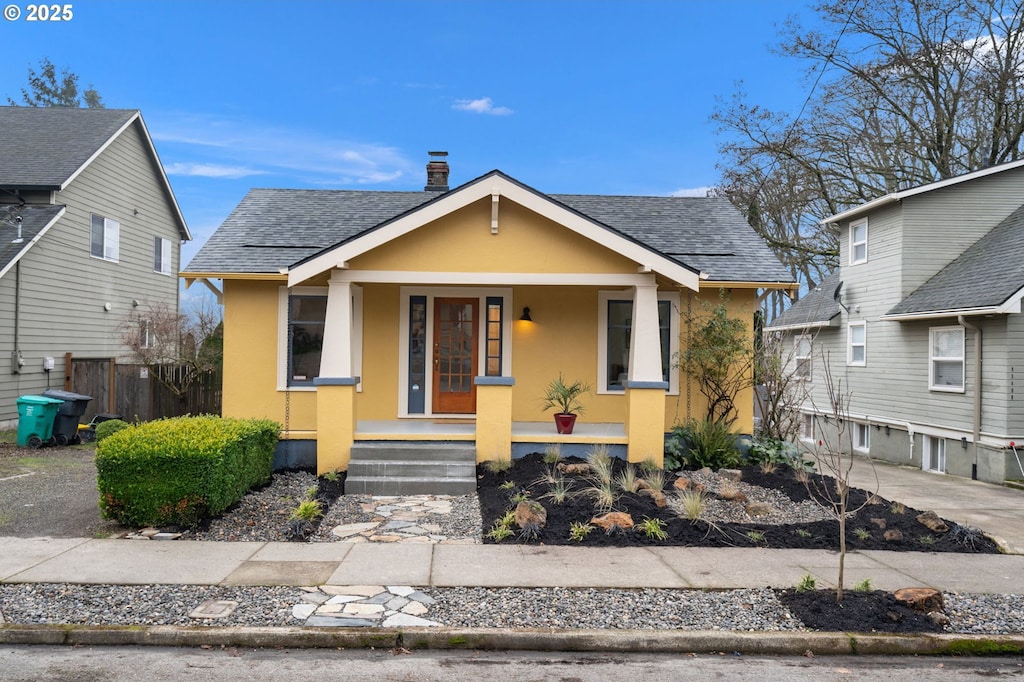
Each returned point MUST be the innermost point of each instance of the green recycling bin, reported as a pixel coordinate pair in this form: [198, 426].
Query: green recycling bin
[36, 415]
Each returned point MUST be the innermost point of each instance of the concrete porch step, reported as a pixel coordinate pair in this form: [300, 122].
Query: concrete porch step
[412, 468]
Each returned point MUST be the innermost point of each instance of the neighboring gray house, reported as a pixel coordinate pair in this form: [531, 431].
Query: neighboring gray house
[89, 229]
[922, 326]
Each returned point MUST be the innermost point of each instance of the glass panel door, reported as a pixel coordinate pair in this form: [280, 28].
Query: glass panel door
[455, 355]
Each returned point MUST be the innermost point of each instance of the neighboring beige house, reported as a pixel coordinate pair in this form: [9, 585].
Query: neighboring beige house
[922, 327]
[89, 230]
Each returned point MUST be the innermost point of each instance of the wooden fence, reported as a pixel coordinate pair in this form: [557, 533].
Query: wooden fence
[136, 392]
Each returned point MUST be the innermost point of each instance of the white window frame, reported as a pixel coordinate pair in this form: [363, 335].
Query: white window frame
[807, 427]
[282, 333]
[146, 337]
[803, 367]
[850, 345]
[861, 436]
[109, 246]
[933, 458]
[858, 243]
[933, 359]
[602, 337]
[162, 255]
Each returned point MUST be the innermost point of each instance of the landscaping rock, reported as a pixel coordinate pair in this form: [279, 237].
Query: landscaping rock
[613, 521]
[531, 514]
[682, 483]
[659, 497]
[581, 469]
[878, 522]
[931, 520]
[734, 475]
[892, 535]
[921, 599]
[758, 509]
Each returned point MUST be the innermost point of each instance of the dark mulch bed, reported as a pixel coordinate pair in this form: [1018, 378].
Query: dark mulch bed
[874, 611]
[526, 473]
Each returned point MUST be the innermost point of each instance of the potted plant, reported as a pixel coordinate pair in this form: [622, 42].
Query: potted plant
[565, 398]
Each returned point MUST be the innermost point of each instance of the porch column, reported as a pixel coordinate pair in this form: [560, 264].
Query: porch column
[645, 389]
[336, 387]
[494, 418]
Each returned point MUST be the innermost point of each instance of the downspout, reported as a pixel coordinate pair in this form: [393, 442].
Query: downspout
[977, 389]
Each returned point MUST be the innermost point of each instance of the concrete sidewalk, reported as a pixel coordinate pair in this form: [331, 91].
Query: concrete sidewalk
[133, 562]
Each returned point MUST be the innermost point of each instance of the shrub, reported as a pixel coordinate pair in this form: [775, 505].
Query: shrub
[182, 470]
[769, 452]
[109, 428]
[699, 444]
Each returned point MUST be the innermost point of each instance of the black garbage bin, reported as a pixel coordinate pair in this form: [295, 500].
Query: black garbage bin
[65, 424]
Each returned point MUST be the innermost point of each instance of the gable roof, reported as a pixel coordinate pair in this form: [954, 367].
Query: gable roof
[816, 308]
[896, 197]
[45, 148]
[986, 278]
[275, 229]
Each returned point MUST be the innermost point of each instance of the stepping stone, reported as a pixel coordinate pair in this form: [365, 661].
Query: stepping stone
[414, 608]
[397, 603]
[344, 598]
[328, 621]
[420, 597]
[358, 609]
[350, 529]
[303, 611]
[362, 590]
[315, 597]
[401, 590]
[404, 620]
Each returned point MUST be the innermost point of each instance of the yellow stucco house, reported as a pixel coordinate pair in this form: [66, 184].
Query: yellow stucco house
[363, 320]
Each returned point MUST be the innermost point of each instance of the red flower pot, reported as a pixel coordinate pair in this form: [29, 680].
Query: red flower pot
[565, 422]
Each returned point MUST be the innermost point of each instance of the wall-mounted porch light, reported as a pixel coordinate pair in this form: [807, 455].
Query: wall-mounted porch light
[526, 316]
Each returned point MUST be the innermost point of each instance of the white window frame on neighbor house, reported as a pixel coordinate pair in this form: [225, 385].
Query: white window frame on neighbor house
[935, 359]
[933, 456]
[861, 436]
[104, 235]
[860, 244]
[806, 427]
[162, 255]
[851, 345]
[802, 350]
[603, 297]
[146, 337]
[283, 349]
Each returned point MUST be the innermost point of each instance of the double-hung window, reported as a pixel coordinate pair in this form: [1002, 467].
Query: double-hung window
[934, 458]
[306, 321]
[162, 255]
[857, 344]
[616, 317]
[104, 242]
[859, 242]
[946, 359]
[802, 356]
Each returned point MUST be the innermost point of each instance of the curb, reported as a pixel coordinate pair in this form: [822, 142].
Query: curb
[525, 639]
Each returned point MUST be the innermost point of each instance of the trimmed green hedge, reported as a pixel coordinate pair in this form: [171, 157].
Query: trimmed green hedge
[182, 470]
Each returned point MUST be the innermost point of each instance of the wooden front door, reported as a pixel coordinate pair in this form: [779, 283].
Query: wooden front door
[455, 355]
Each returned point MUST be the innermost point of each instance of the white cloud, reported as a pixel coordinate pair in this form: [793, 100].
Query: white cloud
[691, 192]
[484, 105]
[211, 170]
[217, 147]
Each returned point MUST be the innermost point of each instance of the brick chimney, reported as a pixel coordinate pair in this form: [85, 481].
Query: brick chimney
[437, 172]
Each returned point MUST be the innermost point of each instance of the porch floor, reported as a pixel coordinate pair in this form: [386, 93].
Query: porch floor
[465, 429]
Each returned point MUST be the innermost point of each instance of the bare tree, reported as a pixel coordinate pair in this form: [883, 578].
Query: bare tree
[177, 347]
[833, 455]
[48, 88]
[905, 92]
[781, 375]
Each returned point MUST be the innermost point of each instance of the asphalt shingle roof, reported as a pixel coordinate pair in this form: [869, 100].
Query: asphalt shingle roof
[987, 274]
[274, 228]
[43, 146]
[817, 307]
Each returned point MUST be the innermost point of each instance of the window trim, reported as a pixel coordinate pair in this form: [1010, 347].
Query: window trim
[854, 243]
[932, 359]
[807, 427]
[861, 436]
[147, 339]
[603, 297]
[111, 244]
[850, 345]
[929, 451]
[162, 256]
[282, 334]
[808, 359]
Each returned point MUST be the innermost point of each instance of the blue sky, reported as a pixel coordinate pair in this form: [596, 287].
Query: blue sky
[568, 97]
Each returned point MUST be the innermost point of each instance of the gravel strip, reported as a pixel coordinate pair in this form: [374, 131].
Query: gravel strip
[262, 515]
[748, 610]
